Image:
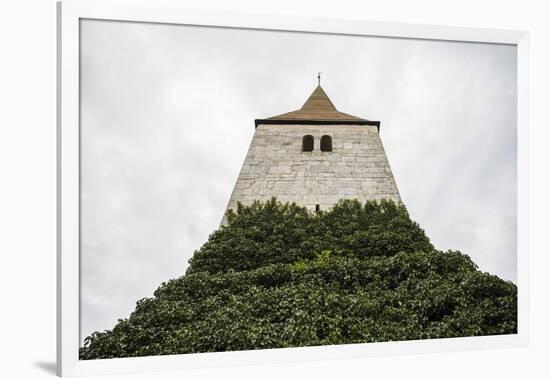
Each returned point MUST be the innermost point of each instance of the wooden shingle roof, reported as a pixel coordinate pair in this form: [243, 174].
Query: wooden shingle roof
[318, 109]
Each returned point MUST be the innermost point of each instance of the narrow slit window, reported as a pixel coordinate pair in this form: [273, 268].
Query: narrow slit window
[307, 143]
[326, 143]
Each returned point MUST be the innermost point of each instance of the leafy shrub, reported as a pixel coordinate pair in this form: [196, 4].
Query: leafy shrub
[277, 275]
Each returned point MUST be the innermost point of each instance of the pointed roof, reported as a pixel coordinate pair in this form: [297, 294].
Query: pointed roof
[318, 109]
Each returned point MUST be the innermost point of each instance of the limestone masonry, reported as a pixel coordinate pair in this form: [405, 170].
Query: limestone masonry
[314, 157]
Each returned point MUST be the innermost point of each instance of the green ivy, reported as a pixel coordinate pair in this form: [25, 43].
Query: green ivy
[277, 275]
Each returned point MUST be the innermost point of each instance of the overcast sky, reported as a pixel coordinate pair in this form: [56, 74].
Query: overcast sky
[167, 115]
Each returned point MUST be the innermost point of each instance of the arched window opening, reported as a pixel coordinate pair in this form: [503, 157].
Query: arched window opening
[326, 143]
[307, 143]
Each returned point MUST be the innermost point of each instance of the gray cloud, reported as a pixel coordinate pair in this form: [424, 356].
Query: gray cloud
[167, 116]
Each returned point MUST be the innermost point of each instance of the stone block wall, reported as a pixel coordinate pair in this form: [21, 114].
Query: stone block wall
[357, 167]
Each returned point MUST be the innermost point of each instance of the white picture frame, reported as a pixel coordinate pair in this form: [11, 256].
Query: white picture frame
[70, 13]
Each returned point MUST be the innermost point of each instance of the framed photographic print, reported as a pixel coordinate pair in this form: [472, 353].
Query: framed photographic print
[237, 188]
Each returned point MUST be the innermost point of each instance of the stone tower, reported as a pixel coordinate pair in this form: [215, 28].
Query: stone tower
[314, 157]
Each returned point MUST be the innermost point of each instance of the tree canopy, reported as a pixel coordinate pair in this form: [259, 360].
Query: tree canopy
[277, 275]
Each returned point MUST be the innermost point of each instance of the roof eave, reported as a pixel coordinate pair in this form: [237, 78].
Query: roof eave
[315, 122]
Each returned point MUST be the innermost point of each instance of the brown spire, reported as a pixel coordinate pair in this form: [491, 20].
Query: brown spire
[318, 101]
[318, 107]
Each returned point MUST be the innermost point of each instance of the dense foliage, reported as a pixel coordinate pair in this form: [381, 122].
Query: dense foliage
[277, 275]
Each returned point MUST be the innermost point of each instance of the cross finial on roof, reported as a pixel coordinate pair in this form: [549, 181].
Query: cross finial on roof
[319, 78]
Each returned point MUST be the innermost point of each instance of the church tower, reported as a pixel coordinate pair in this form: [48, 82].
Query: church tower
[314, 157]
